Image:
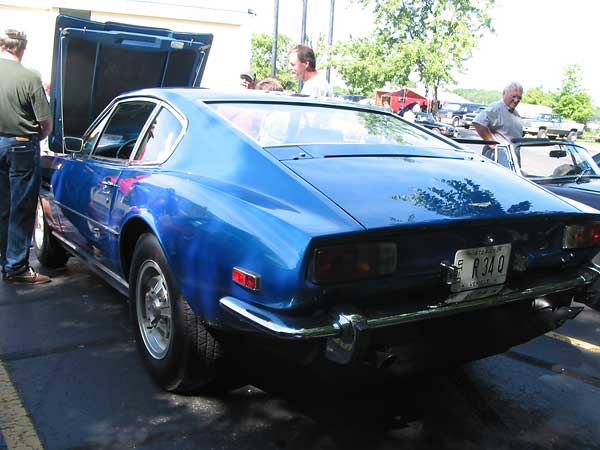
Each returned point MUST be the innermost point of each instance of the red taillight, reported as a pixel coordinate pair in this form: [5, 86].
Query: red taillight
[582, 236]
[246, 279]
[347, 263]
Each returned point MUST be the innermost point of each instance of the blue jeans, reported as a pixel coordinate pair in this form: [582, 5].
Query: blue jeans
[19, 190]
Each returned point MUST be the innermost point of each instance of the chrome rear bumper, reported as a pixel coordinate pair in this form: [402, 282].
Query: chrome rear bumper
[327, 326]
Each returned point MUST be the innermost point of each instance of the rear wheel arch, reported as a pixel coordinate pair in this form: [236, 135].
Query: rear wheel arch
[131, 232]
[181, 353]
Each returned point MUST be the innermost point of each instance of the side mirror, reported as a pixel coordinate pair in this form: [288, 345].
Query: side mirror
[558, 153]
[73, 144]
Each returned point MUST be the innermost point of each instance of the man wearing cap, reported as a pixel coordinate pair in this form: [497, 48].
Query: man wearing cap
[248, 79]
[24, 121]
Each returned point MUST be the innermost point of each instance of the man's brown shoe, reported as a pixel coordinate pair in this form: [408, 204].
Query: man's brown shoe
[30, 276]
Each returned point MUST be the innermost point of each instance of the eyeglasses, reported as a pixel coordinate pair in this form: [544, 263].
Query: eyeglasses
[516, 97]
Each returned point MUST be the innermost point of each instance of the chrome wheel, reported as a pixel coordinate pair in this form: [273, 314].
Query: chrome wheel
[38, 232]
[153, 309]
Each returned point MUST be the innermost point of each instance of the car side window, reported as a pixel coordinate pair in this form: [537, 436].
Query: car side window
[125, 125]
[160, 138]
[503, 157]
[92, 138]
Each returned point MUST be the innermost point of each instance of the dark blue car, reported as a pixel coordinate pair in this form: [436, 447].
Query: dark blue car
[338, 236]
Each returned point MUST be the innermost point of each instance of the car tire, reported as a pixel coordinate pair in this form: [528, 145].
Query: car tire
[572, 136]
[180, 352]
[542, 133]
[48, 250]
[455, 122]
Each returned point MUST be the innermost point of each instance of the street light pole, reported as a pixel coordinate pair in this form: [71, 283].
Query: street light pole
[330, 36]
[303, 28]
[303, 36]
[275, 34]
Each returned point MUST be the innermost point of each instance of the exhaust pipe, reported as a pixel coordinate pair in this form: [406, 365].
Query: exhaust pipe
[383, 360]
[559, 314]
[567, 312]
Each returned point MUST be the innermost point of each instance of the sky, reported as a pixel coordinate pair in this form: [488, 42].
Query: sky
[533, 41]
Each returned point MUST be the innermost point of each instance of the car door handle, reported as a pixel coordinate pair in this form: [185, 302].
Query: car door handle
[107, 183]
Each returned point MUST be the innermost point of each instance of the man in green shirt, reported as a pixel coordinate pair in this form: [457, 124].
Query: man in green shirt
[24, 121]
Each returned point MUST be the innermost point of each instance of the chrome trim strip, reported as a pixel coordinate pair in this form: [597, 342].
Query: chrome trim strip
[77, 213]
[326, 326]
[112, 278]
[251, 314]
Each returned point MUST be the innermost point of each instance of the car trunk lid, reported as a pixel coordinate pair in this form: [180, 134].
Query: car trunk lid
[391, 191]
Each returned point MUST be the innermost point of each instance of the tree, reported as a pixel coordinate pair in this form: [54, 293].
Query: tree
[571, 101]
[439, 34]
[537, 96]
[366, 64]
[482, 96]
[260, 61]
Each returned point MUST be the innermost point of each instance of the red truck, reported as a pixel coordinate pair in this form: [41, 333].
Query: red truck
[400, 99]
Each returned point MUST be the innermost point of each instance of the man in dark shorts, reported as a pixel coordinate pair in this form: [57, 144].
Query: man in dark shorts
[25, 120]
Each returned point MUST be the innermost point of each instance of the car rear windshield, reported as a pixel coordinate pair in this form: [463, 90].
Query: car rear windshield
[275, 124]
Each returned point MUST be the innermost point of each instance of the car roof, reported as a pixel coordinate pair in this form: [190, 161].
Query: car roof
[209, 95]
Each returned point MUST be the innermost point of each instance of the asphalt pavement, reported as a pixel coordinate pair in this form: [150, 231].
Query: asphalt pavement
[73, 381]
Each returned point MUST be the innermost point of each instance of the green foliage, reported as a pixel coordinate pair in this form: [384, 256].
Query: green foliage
[596, 115]
[571, 100]
[367, 64]
[260, 62]
[439, 35]
[483, 96]
[537, 96]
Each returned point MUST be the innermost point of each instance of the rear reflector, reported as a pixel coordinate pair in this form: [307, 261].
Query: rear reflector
[246, 278]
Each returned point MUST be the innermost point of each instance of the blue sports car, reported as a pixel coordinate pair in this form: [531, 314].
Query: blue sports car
[333, 234]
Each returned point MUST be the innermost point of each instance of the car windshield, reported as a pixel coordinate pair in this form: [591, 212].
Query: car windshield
[424, 117]
[557, 160]
[452, 106]
[275, 124]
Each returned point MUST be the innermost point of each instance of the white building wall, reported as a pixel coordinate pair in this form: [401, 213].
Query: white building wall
[229, 54]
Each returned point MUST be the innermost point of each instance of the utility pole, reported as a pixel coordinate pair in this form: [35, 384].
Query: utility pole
[330, 35]
[275, 34]
[303, 36]
[303, 28]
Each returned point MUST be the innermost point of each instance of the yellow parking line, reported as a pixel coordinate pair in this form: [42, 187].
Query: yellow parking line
[575, 342]
[15, 424]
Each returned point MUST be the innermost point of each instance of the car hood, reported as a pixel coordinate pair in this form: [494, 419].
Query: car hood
[386, 191]
[587, 192]
[93, 62]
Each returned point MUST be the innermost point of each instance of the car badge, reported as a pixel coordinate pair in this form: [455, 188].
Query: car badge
[481, 205]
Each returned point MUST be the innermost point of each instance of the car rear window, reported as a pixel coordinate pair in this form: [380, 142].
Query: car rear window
[275, 124]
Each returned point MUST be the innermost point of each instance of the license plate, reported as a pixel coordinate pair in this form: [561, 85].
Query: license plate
[480, 267]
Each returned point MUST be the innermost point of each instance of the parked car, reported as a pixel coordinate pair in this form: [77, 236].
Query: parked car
[468, 118]
[562, 167]
[427, 120]
[454, 113]
[335, 235]
[353, 97]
